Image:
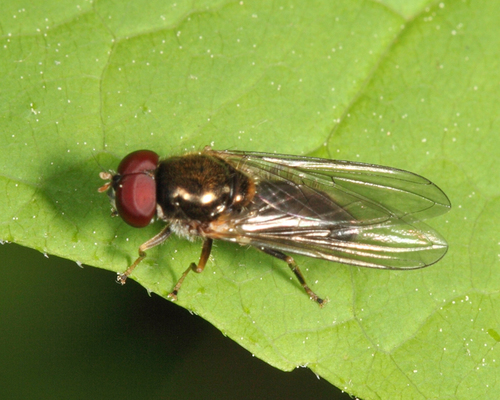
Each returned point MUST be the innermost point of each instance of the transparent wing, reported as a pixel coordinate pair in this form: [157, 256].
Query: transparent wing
[353, 213]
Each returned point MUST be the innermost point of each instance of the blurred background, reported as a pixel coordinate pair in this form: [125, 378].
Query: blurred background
[70, 332]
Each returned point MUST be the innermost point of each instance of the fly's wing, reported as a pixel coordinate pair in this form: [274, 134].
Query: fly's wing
[400, 193]
[353, 213]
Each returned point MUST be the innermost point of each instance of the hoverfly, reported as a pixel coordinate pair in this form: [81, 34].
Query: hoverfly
[342, 211]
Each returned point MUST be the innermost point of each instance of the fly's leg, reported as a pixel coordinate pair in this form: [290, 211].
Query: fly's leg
[154, 241]
[205, 253]
[296, 270]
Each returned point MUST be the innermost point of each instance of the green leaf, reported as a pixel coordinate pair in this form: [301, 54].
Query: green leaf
[411, 85]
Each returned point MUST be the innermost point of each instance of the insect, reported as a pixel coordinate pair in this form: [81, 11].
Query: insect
[347, 212]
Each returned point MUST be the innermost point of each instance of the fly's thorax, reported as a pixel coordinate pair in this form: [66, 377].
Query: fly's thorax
[200, 187]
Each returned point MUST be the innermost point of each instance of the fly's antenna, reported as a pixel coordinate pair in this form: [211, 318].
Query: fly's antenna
[106, 175]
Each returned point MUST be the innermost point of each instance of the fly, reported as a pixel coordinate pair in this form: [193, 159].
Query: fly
[353, 213]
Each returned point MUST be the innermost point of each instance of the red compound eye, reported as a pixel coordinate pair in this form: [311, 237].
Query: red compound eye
[136, 188]
[138, 161]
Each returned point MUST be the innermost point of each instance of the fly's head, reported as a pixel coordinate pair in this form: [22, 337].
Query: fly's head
[132, 189]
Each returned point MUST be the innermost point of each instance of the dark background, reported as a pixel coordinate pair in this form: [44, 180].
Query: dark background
[71, 332]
